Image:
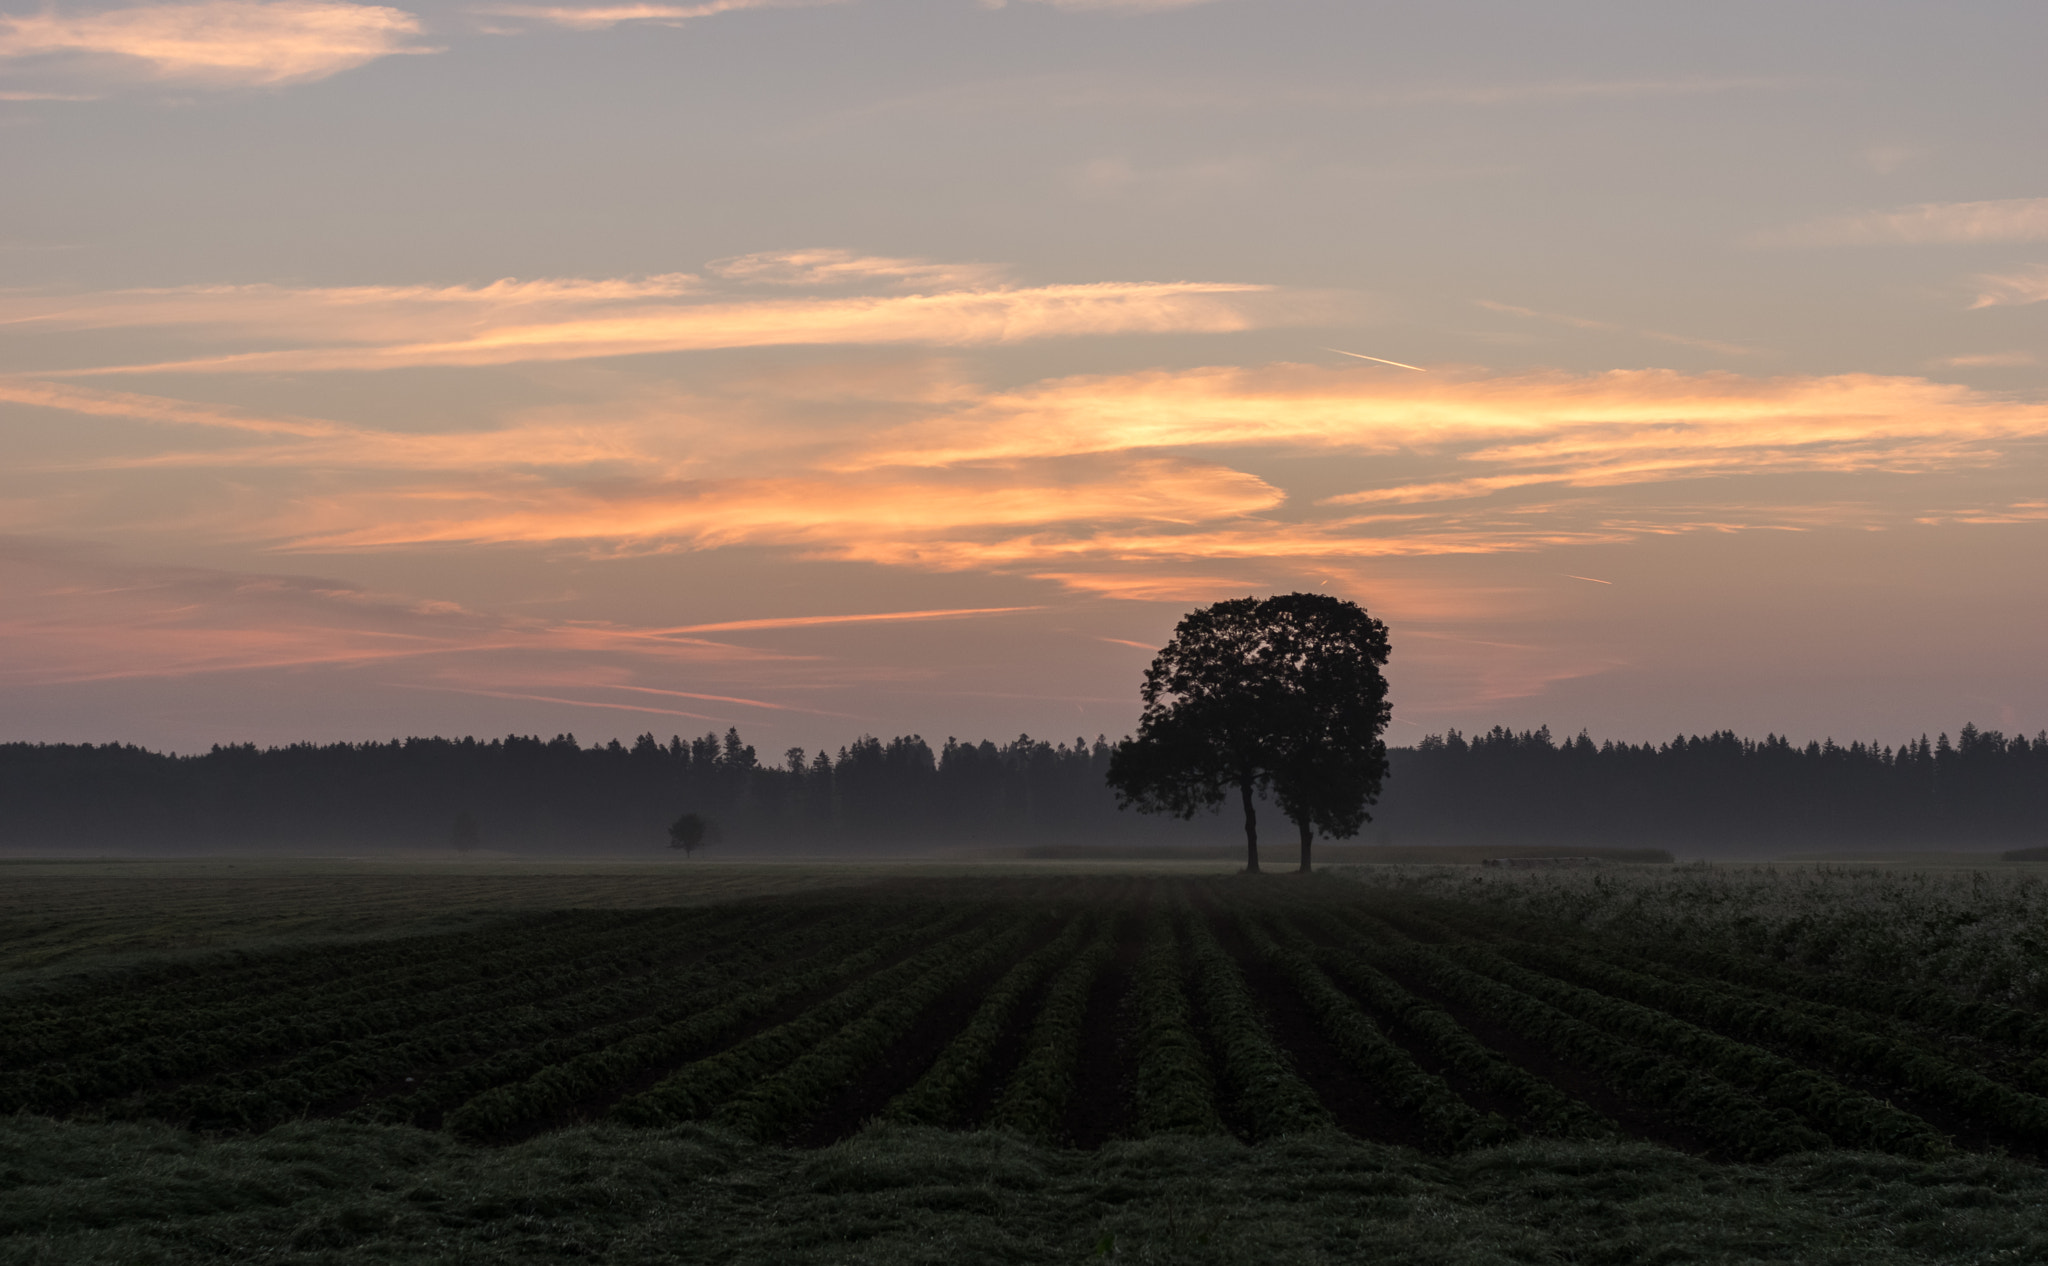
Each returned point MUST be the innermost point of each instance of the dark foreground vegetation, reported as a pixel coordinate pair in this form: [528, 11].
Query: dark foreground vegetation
[1377, 1067]
[1718, 793]
[325, 1192]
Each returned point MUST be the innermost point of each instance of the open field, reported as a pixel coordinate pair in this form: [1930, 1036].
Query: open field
[872, 1063]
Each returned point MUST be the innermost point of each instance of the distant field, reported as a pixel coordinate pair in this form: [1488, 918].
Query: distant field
[1724, 1021]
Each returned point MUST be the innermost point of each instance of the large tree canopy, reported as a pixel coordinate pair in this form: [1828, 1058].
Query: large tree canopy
[1284, 693]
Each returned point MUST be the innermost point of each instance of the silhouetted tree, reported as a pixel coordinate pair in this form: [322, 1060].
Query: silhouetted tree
[1327, 655]
[1247, 694]
[689, 832]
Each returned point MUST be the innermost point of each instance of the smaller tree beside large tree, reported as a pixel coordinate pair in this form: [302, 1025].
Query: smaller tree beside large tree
[1285, 694]
[691, 832]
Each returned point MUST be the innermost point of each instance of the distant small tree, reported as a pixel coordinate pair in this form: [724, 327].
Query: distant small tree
[689, 833]
[1284, 693]
[464, 835]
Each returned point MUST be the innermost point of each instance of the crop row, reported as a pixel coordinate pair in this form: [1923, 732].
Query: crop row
[1378, 1060]
[523, 1087]
[1174, 1091]
[700, 1088]
[518, 1019]
[213, 1040]
[1851, 1041]
[1545, 1109]
[1721, 1113]
[252, 1001]
[1035, 1097]
[2018, 1115]
[1262, 1009]
[782, 1101]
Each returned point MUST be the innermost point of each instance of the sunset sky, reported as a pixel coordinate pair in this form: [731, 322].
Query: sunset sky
[905, 366]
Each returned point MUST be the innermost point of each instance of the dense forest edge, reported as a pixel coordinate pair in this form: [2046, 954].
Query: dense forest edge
[1703, 795]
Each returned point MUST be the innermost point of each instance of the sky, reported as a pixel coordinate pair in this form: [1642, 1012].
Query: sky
[911, 366]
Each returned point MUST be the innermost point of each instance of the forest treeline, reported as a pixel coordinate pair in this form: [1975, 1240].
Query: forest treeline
[1700, 794]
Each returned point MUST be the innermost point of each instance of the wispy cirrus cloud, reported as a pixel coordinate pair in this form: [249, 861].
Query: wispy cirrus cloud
[1097, 476]
[1988, 360]
[510, 322]
[213, 43]
[1125, 6]
[1845, 421]
[351, 314]
[826, 267]
[1928, 223]
[70, 615]
[813, 621]
[1609, 327]
[602, 17]
[826, 515]
[2015, 289]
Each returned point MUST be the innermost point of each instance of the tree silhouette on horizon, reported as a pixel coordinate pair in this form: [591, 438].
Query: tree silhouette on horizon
[1283, 693]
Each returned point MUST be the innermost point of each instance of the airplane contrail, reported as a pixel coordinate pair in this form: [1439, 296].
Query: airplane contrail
[1381, 359]
[1595, 579]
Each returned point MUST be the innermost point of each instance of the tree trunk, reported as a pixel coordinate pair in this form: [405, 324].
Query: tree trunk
[1307, 834]
[1251, 829]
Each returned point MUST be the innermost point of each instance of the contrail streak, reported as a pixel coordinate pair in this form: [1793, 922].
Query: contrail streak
[1381, 359]
[1595, 579]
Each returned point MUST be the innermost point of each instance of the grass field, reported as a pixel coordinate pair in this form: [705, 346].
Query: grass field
[888, 1063]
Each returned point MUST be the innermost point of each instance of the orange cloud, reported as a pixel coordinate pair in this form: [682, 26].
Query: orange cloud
[1148, 587]
[121, 404]
[1623, 426]
[827, 514]
[2029, 285]
[1098, 484]
[838, 267]
[602, 17]
[949, 318]
[220, 43]
[348, 314]
[884, 617]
